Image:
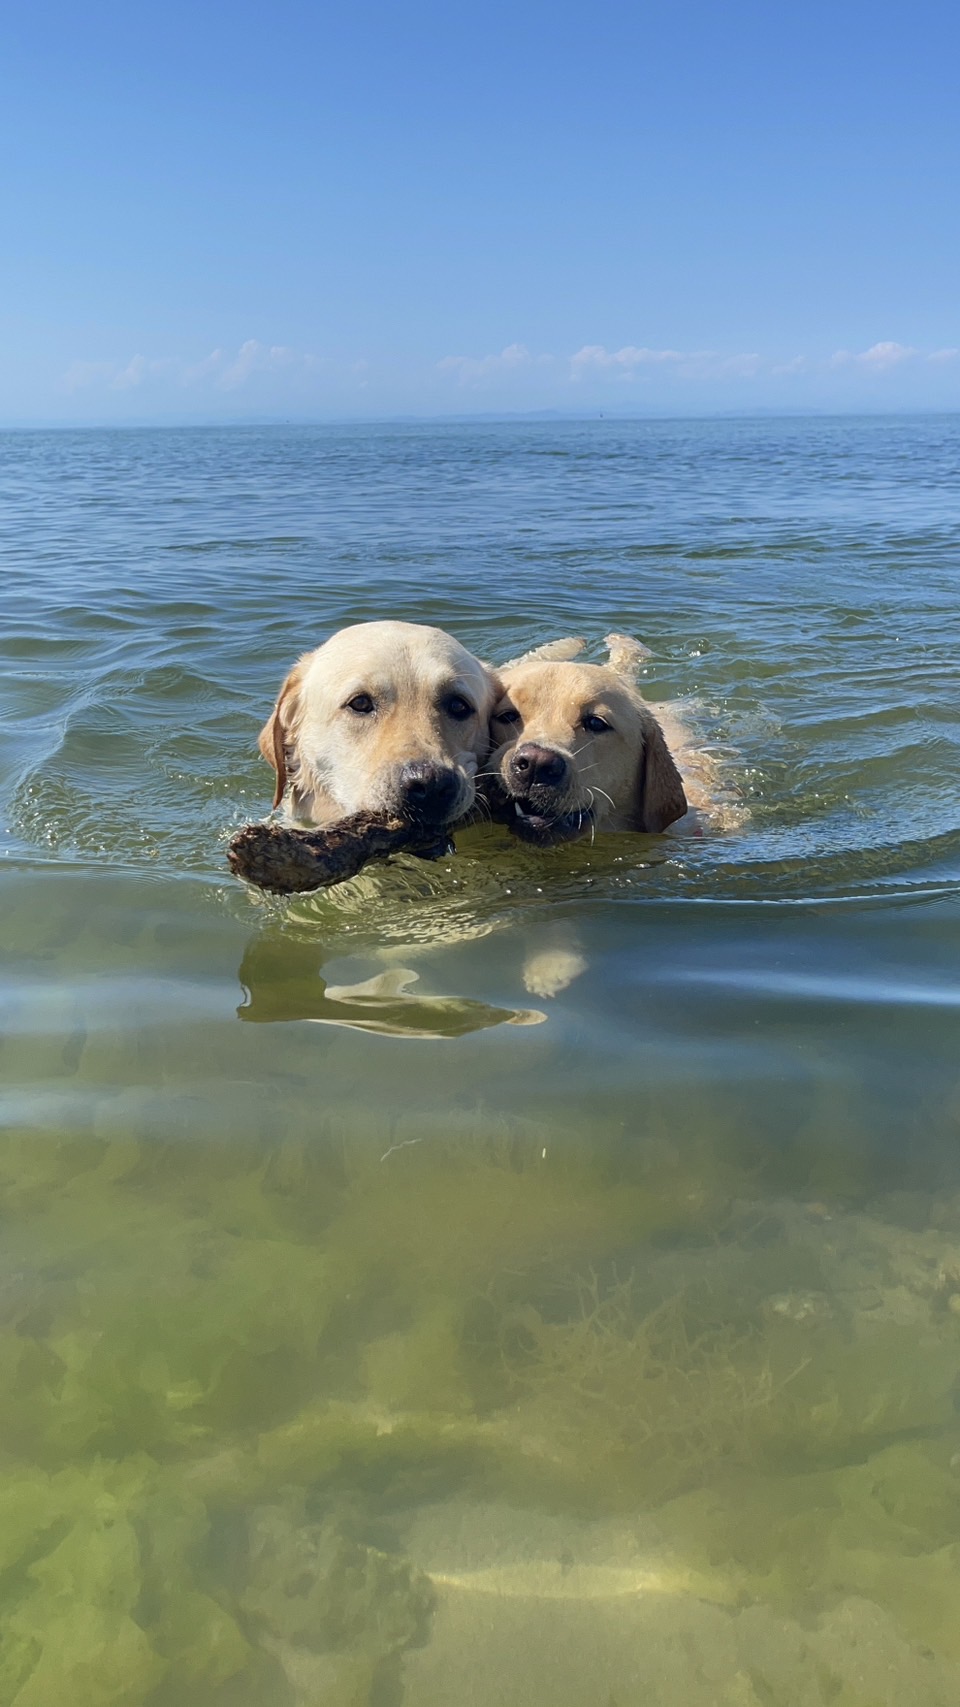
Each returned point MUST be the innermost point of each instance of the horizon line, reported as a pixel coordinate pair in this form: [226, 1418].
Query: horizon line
[459, 418]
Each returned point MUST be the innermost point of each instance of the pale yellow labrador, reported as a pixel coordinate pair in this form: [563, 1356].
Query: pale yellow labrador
[398, 717]
[576, 748]
[384, 717]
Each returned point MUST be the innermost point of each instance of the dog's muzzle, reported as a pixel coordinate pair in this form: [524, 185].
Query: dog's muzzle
[429, 793]
[535, 781]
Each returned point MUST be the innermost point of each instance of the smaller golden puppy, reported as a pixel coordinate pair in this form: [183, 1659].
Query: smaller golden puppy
[384, 717]
[576, 747]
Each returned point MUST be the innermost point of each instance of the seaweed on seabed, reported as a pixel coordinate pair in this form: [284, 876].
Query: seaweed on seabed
[636, 1397]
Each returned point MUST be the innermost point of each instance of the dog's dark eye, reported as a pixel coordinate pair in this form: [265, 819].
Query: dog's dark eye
[508, 716]
[458, 707]
[596, 725]
[361, 703]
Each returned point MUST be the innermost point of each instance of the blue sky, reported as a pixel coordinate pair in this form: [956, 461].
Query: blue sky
[217, 212]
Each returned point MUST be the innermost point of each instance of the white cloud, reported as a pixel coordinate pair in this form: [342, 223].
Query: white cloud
[637, 360]
[256, 375]
[253, 357]
[133, 374]
[195, 373]
[510, 360]
[595, 357]
[230, 370]
[737, 367]
[634, 361]
[222, 369]
[877, 359]
[138, 370]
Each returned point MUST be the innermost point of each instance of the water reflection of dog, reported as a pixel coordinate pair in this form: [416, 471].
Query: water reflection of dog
[283, 981]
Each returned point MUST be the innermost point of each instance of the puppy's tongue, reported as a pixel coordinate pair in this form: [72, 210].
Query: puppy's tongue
[524, 810]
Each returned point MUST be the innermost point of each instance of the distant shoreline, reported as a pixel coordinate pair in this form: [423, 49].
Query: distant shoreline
[555, 417]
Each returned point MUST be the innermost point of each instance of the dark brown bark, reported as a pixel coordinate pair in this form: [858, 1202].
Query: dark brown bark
[288, 862]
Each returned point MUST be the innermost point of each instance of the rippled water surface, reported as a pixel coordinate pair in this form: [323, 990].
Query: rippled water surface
[358, 1344]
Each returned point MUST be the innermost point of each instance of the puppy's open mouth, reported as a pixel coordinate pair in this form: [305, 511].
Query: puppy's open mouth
[529, 821]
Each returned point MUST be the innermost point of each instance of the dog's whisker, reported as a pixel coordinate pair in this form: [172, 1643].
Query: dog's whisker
[479, 809]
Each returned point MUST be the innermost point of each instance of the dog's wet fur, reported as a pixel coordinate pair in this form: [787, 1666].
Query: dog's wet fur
[577, 748]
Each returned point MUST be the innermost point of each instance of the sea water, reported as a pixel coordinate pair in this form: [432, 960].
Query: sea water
[377, 1329]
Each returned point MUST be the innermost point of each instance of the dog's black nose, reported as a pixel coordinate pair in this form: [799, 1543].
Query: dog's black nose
[531, 764]
[428, 791]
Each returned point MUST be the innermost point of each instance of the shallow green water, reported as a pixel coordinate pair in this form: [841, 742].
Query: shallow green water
[363, 1345]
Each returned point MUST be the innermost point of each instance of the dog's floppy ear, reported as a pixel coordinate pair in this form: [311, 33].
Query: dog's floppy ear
[660, 797]
[626, 654]
[273, 736]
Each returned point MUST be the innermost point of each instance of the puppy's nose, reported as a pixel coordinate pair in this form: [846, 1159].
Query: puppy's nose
[428, 791]
[531, 764]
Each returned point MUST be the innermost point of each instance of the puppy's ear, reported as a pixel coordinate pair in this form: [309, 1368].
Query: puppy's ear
[660, 797]
[626, 654]
[551, 652]
[275, 733]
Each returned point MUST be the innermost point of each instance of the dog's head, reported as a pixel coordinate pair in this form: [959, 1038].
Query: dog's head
[385, 717]
[575, 745]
